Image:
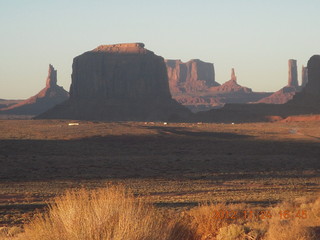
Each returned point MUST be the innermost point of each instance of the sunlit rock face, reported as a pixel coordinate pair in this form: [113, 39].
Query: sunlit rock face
[120, 82]
[190, 77]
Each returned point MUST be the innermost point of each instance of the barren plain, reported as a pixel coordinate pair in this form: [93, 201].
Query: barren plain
[175, 165]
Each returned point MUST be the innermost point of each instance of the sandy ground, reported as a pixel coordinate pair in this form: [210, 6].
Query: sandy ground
[174, 165]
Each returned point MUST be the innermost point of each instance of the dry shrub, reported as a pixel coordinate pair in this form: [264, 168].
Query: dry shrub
[207, 223]
[231, 232]
[208, 227]
[303, 219]
[103, 214]
[114, 213]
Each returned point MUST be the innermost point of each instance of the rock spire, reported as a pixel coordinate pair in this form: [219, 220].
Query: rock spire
[304, 76]
[292, 73]
[52, 77]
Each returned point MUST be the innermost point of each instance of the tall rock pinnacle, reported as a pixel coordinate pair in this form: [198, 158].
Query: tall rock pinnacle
[233, 75]
[52, 77]
[292, 73]
[304, 76]
[48, 97]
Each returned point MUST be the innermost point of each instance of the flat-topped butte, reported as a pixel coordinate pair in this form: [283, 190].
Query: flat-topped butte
[122, 48]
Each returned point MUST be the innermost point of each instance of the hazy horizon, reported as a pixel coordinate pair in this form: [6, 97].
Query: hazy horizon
[257, 38]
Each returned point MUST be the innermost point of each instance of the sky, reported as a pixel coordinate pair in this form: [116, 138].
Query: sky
[256, 37]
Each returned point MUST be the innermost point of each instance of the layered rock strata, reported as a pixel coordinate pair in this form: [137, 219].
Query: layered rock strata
[190, 77]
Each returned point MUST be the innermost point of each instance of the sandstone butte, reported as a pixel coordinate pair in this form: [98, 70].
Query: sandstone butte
[193, 84]
[120, 82]
[48, 97]
[191, 77]
[304, 102]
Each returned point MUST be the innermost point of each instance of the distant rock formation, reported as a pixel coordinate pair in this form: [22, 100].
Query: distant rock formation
[281, 96]
[309, 97]
[304, 102]
[292, 73]
[286, 93]
[313, 86]
[231, 86]
[304, 76]
[192, 76]
[48, 97]
[233, 75]
[4, 103]
[120, 82]
[208, 94]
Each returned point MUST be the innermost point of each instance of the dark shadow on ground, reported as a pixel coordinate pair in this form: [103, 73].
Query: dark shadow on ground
[183, 132]
[174, 153]
[195, 204]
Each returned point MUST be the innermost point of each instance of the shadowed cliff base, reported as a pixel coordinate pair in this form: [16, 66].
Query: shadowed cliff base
[114, 110]
[170, 152]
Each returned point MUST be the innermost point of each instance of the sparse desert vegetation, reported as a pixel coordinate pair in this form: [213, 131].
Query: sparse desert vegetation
[170, 169]
[114, 213]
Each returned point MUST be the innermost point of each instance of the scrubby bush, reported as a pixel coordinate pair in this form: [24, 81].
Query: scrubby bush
[114, 213]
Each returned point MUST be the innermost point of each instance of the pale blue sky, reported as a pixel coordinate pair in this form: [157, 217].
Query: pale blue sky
[256, 37]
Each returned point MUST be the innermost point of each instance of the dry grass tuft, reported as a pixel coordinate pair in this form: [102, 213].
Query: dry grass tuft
[203, 221]
[103, 214]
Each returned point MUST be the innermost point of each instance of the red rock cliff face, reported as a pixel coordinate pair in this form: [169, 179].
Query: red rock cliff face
[121, 82]
[189, 77]
[121, 71]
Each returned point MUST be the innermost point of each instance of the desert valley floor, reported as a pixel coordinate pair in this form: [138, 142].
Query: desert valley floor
[175, 165]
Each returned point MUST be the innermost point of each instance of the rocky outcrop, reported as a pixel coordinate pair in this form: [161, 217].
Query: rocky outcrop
[216, 96]
[231, 86]
[292, 73]
[190, 77]
[232, 92]
[281, 96]
[121, 82]
[199, 103]
[304, 102]
[309, 97]
[233, 75]
[313, 85]
[286, 93]
[48, 97]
